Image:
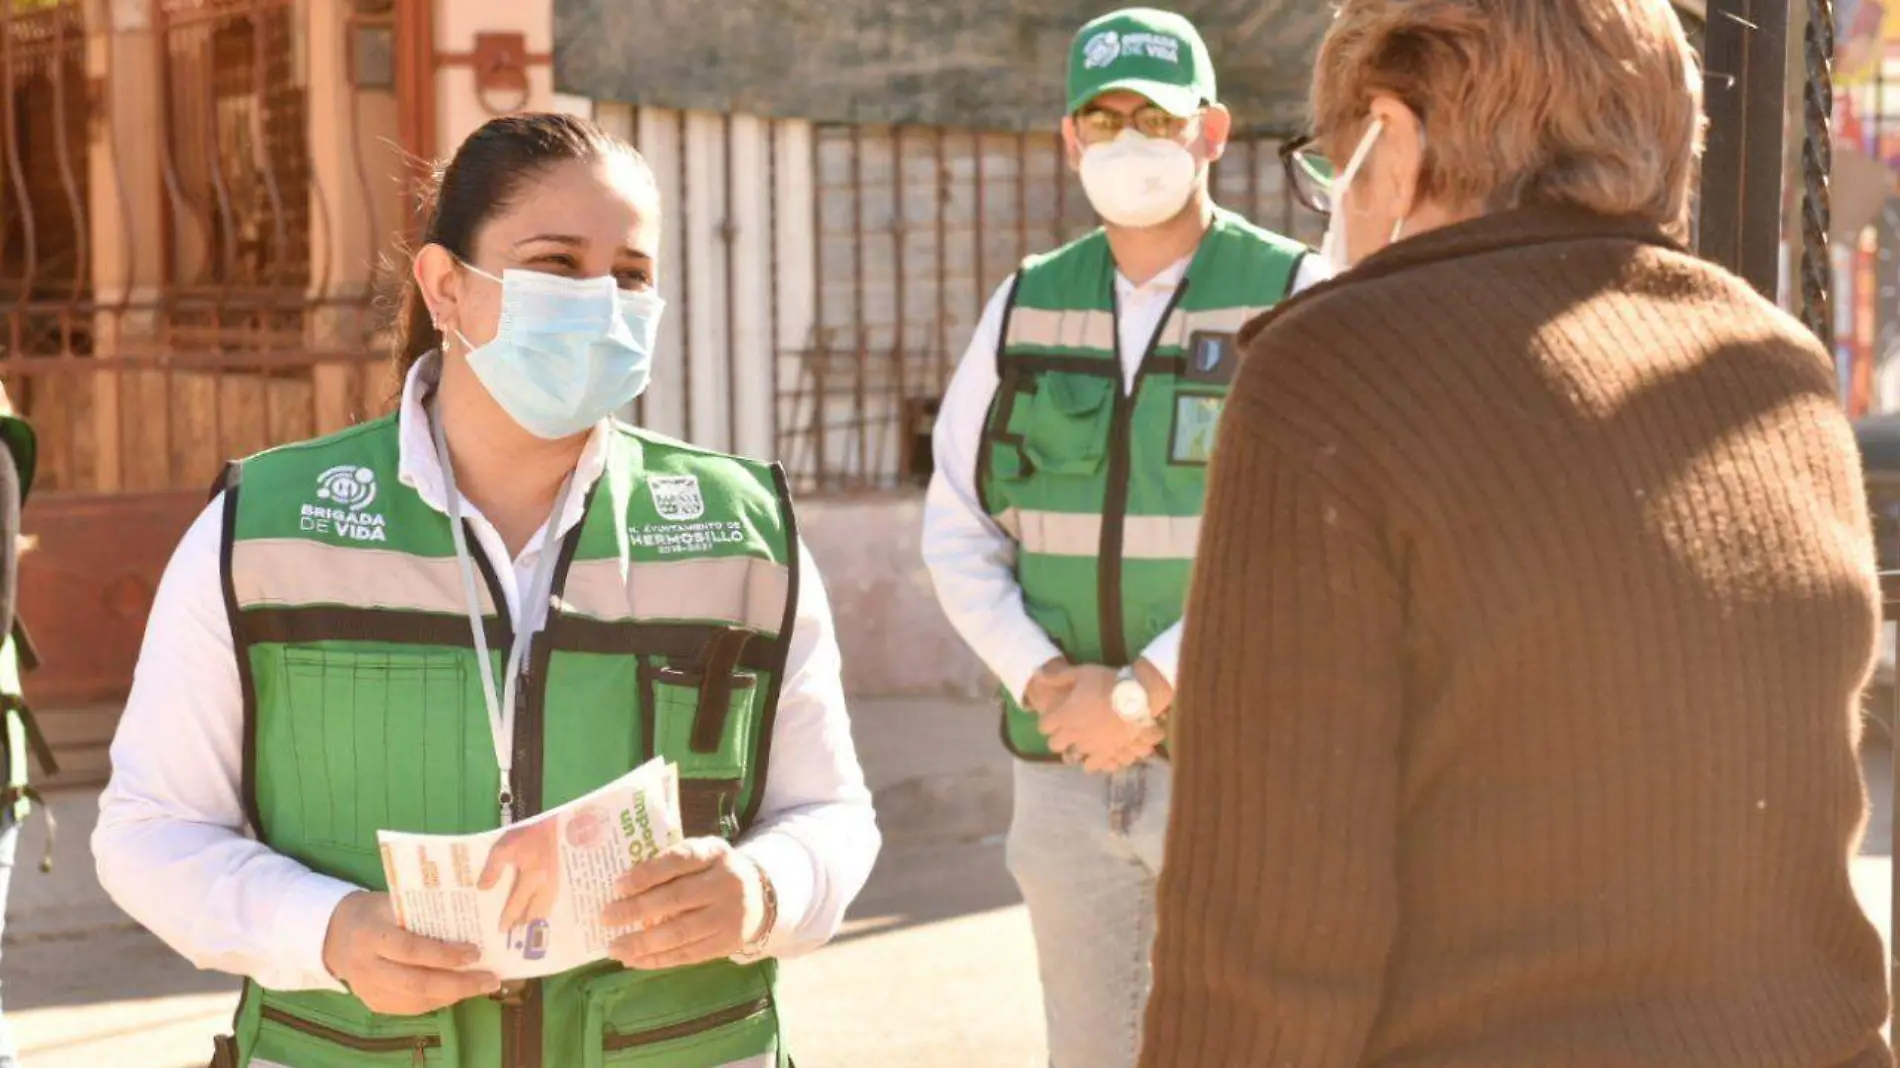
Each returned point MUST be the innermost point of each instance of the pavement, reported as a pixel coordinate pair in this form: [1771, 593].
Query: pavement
[934, 968]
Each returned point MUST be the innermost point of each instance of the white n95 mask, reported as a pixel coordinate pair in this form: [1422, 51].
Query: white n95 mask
[1138, 181]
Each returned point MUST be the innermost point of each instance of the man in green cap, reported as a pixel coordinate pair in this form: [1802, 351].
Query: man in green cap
[1071, 460]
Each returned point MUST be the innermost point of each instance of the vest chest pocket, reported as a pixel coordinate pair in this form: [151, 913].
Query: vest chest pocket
[706, 722]
[352, 742]
[1065, 423]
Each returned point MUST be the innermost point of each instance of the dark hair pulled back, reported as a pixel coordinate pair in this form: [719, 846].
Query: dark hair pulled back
[482, 180]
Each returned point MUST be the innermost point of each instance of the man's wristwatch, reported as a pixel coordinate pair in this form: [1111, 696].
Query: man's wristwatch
[1129, 699]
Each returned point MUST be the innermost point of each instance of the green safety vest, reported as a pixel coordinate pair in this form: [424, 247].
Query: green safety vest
[670, 616]
[20, 733]
[1101, 489]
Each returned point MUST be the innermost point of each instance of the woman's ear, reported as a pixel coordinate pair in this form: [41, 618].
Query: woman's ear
[1398, 160]
[440, 283]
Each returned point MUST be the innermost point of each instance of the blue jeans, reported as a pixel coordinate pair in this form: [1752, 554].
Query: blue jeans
[1086, 852]
[9, 843]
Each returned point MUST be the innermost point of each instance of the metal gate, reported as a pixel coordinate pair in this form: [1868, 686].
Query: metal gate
[194, 195]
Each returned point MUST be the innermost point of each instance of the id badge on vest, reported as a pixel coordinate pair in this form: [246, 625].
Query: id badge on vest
[1210, 362]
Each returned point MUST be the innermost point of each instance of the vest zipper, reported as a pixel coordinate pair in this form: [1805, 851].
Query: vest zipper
[521, 1004]
[521, 1015]
[1108, 578]
[614, 1041]
[421, 1044]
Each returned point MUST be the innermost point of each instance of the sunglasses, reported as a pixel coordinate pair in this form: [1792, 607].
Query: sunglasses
[1098, 125]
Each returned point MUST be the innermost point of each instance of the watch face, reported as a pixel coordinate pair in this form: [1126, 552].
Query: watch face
[1129, 700]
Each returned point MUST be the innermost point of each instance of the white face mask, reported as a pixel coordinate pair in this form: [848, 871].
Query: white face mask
[1333, 248]
[1137, 181]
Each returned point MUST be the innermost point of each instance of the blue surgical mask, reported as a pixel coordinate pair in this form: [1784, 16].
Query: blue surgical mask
[568, 352]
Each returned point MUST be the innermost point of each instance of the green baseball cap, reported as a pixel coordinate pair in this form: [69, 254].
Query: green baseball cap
[1158, 54]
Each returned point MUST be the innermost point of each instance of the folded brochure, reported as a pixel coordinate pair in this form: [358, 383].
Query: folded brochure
[581, 848]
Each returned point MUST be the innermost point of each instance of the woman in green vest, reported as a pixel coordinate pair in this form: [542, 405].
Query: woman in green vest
[484, 605]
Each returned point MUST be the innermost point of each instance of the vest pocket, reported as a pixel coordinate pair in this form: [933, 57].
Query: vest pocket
[305, 1036]
[364, 741]
[712, 740]
[1066, 432]
[708, 1015]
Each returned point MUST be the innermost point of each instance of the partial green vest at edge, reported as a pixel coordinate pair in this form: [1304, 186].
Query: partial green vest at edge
[21, 734]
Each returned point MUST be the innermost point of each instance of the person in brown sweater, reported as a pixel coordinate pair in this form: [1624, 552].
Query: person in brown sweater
[1517, 722]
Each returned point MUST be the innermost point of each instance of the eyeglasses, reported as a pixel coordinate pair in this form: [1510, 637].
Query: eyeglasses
[1096, 125]
[1309, 174]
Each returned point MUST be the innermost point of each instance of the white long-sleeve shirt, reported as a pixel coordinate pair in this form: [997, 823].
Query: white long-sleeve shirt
[172, 846]
[971, 560]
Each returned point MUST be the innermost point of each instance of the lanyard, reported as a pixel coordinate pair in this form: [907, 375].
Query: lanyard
[501, 709]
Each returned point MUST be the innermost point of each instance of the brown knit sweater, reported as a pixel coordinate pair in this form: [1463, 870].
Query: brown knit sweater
[1517, 719]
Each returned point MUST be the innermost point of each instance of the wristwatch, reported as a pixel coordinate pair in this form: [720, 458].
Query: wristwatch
[1129, 699]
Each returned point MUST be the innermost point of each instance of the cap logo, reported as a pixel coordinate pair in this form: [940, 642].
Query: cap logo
[1101, 50]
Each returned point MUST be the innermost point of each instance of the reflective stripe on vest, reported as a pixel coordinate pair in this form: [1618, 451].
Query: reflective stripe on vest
[1144, 537]
[741, 590]
[1095, 330]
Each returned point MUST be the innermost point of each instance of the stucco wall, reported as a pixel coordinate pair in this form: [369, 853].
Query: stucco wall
[994, 64]
[895, 640]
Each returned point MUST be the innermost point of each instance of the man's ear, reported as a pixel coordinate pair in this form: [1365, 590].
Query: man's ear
[1217, 125]
[1071, 144]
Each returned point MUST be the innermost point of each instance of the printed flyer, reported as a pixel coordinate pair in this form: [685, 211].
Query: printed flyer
[539, 910]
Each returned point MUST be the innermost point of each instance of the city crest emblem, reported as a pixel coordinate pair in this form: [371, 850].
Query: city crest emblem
[677, 497]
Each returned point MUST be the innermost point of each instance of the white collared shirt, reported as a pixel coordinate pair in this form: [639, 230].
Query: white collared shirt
[971, 560]
[172, 845]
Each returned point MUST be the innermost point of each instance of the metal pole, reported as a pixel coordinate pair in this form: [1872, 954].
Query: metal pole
[1817, 164]
[1744, 81]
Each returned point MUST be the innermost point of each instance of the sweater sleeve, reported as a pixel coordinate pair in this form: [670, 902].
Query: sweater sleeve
[1278, 904]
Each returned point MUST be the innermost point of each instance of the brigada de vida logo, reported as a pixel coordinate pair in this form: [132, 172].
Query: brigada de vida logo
[677, 497]
[345, 492]
[1101, 50]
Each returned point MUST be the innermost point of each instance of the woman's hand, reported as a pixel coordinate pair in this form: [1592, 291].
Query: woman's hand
[534, 852]
[394, 971]
[698, 901]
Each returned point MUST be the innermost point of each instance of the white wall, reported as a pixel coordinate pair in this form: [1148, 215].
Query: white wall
[736, 193]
